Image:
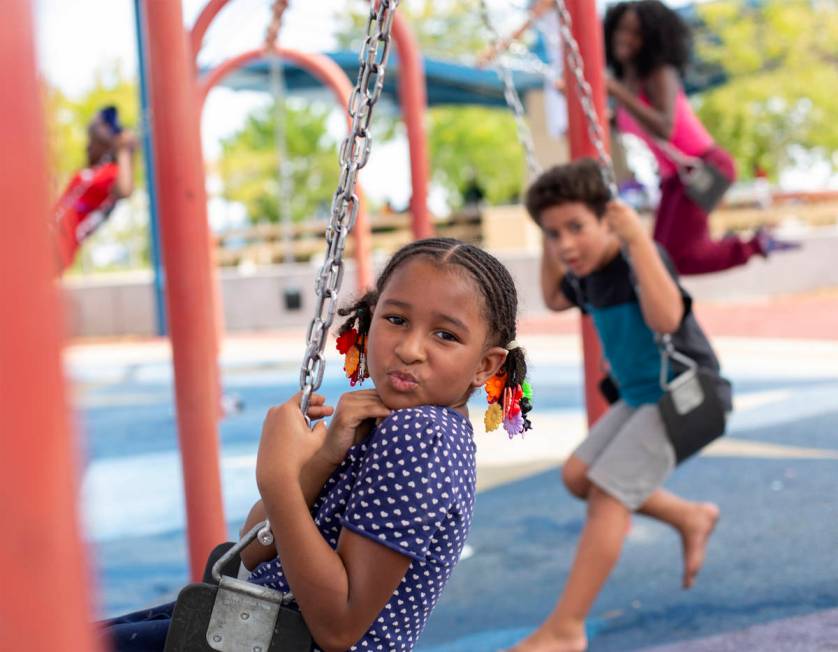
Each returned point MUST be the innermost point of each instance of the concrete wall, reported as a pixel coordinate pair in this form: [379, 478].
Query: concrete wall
[123, 305]
[109, 306]
[252, 301]
[813, 267]
[549, 151]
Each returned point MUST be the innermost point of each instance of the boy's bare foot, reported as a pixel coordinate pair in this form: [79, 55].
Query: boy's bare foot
[694, 537]
[541, 640]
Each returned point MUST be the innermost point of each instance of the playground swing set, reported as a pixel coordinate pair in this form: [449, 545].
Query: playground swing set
[222, 612]
[222, 607]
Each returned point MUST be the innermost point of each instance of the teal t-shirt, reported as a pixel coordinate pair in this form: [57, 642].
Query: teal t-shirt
[609, 296]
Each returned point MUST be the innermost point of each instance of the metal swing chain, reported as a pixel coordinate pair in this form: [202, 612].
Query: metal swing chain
[597, 136]
[526, 61]
[272, 33]
[577, 67]
[277, 85]
[354, 154]
[512, 98]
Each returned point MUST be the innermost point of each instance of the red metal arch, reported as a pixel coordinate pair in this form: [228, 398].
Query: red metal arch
[202, 23]
[412, 97]
[331, 75]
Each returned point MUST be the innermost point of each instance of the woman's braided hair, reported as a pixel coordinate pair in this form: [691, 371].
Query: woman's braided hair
[496, 285]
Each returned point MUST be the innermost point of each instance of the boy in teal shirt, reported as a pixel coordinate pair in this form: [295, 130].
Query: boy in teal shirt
[619, 468]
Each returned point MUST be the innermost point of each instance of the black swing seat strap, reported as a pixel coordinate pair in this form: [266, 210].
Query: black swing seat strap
[691, 408]
[235, 616]
[226, 614]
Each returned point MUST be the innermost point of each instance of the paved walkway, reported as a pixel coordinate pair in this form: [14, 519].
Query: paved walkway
[808, 316]
[815, 633]
[771, 580]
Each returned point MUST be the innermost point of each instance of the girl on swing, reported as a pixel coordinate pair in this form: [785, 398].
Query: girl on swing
[647, 47]
[372, 510]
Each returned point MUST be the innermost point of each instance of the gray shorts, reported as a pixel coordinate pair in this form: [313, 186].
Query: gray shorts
[628, 453]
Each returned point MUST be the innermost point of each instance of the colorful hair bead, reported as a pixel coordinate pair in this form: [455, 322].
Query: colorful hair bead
[354, 347]
[507, 405]
[494, 387]
[493, 417]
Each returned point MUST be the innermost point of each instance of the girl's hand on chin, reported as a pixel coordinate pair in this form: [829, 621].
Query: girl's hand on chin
[287, 442]
[354, 418]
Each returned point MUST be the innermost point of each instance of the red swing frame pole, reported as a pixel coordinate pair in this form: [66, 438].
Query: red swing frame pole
[46, 602]
[414, 103]
[587, 30]
[189, 283]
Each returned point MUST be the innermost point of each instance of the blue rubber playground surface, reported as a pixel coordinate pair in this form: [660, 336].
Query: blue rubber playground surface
[772, 556]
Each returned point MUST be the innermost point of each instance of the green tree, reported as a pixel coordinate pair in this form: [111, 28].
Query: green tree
[782, 60]
[249, 163]
[465, 142]
[476, 142]
[443, 28]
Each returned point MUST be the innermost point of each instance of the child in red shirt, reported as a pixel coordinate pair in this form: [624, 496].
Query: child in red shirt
[92, 193]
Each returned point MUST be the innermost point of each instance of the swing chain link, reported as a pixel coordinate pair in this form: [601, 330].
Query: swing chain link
[524, 60]
[354, 153]
[577, 67]
[272, 33]
[512, 98]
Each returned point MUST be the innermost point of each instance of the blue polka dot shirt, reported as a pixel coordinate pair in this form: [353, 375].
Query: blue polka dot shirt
[409, 486]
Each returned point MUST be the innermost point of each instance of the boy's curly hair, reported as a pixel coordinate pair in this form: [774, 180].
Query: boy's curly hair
[578, 181]
[666, 37]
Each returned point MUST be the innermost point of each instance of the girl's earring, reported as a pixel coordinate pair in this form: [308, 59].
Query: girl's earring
[354, 346]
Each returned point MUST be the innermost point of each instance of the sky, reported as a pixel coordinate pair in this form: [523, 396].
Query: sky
[77, 37]
[72, 41]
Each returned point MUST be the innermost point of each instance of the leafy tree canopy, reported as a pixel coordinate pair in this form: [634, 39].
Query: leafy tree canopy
[446, 28]
[249, 164]
[782, 60]
[467, 143]
[476, 143]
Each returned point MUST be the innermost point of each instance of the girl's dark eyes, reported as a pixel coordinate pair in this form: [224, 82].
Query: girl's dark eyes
[446, 336]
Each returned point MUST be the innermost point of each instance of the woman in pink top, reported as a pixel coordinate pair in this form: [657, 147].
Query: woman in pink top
[647, 46]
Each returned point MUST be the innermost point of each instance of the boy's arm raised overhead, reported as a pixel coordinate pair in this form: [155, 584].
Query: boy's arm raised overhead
[552, 273]
[660, 298]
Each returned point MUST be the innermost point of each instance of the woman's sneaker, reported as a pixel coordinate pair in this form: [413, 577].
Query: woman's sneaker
[767, 244]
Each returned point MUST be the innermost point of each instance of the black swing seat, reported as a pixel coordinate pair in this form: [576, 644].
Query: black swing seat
[226, 614]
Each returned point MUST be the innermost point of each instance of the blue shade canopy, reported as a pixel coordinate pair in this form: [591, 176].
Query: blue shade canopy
[448, 82]
[451, 83]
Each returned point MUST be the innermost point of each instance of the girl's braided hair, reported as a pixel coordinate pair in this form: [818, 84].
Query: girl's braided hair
[496, 285]
[666, 37]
